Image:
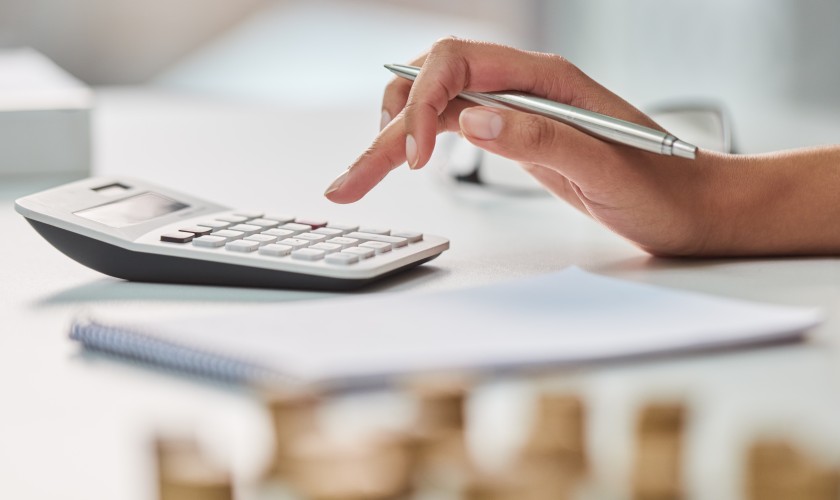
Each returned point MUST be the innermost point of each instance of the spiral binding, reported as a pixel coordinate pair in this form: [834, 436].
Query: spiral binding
[149, 349]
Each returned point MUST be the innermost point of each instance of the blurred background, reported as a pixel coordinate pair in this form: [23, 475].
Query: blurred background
[261, 68]
[772, 63]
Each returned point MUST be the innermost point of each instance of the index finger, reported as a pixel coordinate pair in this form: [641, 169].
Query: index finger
[385, 154]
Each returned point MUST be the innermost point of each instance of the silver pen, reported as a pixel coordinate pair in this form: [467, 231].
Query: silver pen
[595, 124]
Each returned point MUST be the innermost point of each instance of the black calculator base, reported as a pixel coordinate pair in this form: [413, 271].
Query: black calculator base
[137, 266]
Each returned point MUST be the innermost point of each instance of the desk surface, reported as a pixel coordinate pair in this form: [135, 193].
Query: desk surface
[76, 425]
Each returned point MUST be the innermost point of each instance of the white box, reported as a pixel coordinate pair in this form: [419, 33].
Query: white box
[44, 116]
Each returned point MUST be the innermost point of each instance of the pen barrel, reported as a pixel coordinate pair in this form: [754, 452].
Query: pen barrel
[601, 126]
[595, 124]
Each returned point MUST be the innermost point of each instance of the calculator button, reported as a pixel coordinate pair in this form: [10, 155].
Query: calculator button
[264, 223]
[344, 242]
[248, 214]
[295, 243]
[280, 218]
[393, 240]
[342, 258]
[344, 228]
[242, 246]
[233, 219]
[377, 246]
[248, 229]
[214, 224]
[375, 230]
[229, 235]
[308, 254]
[313, 223]
[362, 253]
[296, 228]
[326, 247]
[328, 231]
[280, 233]
[311, 237]
[177, 237]
[262, 239]
[411, 236]
[209, 241]
[196, 230]
[275, 250]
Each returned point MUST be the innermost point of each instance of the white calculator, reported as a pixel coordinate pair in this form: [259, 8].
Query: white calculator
[136, 231]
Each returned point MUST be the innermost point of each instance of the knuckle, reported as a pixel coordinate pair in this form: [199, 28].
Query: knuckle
[418, 105]
[558, 61]
[447, 44]
[411, 106]
[560, 65]
[367, 155]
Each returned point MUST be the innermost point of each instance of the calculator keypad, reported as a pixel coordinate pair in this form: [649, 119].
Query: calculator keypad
[197, 230]
[344, 228]
[229, 234]
[361, 253]
[296, 228]
[314, 238]
[242, 246]
[377, 246]
[214, 224]
[210, 241]
[233, 219]
[326, 247]
[275, 250]
[342, 259]
[248, 229]
[312, 223]
[264, 223]
[262, 239]
[282, 236]
[411, 236]
[308, 254]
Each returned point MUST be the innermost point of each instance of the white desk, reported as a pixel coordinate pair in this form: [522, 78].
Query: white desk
[76, 425]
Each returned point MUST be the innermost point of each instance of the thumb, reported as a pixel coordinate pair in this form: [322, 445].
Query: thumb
[530, 138]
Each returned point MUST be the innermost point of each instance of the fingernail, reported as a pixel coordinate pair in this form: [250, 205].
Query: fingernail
[481, 123]
[336, 184]
[385, 120]
[411, 150]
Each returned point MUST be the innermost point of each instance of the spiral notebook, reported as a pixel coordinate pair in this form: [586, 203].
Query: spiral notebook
[563, 318]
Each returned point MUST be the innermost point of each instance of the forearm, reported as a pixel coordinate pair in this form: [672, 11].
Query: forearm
[784, 203]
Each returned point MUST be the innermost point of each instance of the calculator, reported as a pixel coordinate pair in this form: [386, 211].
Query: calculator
[134, 230]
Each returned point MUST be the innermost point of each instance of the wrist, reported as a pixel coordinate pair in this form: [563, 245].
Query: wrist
[774, 204]
[731, 195]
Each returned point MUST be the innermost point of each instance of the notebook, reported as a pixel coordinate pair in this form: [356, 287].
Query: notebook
[568, 317]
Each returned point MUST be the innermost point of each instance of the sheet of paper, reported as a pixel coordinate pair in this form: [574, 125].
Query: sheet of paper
[566, 317]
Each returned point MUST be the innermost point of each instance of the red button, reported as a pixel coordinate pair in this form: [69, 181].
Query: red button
[312, 222]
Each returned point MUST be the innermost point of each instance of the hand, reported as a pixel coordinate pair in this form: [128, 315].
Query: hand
[665, 205]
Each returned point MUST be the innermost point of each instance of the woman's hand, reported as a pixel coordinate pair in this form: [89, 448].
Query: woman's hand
[665, 205]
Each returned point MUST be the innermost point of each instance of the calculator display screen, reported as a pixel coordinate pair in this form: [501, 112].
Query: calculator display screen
[132, 210]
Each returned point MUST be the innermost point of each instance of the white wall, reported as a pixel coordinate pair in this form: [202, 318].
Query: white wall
[773, 63]
[131, 41]
[744, 49]
[331, 52]
[117, 41]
